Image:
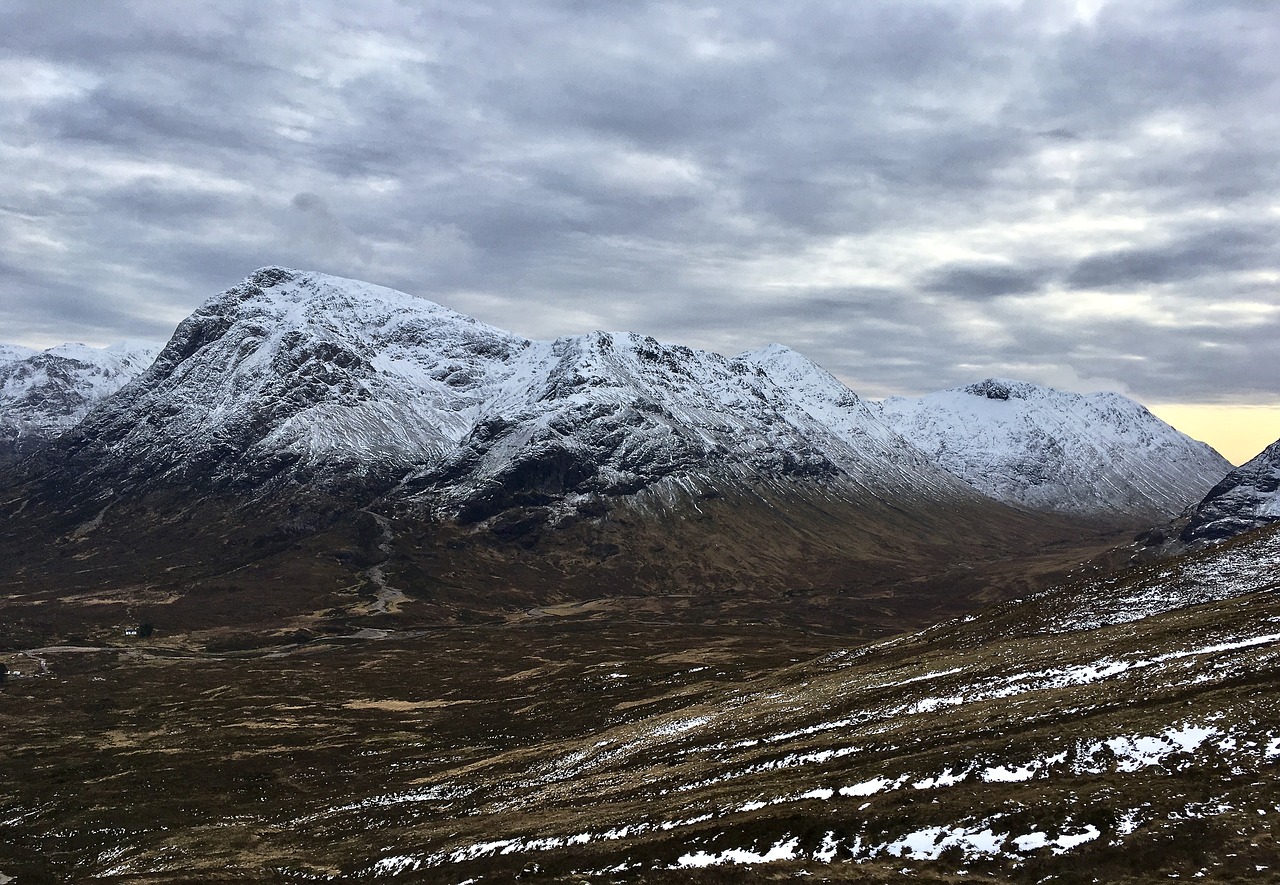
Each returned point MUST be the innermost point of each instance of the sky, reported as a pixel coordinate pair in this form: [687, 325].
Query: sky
[916, 195]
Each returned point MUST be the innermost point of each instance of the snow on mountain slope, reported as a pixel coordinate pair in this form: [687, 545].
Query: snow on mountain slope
[42, 393]
[615, 413]
[1100, 454]
[1248, 497]
[10, 353]
[823, 408]
[305, 370]
[325, 379]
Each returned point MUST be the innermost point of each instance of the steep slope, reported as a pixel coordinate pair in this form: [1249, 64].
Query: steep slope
[1248, 497]
[43, 393]
[1099, 455]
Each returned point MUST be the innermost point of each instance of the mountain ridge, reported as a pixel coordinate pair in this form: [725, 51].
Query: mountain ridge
[1053, 450]
[46, 392]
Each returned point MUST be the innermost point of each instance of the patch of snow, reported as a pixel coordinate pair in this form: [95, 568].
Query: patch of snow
[868, 788]
[783, 850]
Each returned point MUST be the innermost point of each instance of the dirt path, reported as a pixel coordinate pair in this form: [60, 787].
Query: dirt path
[387, 599]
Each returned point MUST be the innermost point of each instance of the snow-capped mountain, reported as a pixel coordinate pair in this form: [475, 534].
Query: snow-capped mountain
[618, 413]
[1098, 454]
[43, 393]
[331, 381]
[1248, 497]
[304, 371]
[302, 408]
[335, 384]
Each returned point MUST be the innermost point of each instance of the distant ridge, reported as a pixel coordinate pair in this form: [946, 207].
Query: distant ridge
[43, 393]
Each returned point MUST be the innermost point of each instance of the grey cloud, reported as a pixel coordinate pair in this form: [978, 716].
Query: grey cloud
[981, 282]
[316, 230]
[478, 154]
[1186, 258]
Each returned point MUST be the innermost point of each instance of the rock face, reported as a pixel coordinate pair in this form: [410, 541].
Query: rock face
[43, 393]
[1248, 497]
[1096, 455]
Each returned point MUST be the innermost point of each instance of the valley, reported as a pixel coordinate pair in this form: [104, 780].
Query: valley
[1041, 738]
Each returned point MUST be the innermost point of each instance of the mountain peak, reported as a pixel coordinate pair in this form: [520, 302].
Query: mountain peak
[1002, 389]
[1046, 449]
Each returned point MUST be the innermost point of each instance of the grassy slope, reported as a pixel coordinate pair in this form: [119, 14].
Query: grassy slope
[484, 751]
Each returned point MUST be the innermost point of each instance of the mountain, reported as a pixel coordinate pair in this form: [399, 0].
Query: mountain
[327, 380]
[1248, 497]
[477, 468]
[324, 381]
[43, 393]
[1099, 455]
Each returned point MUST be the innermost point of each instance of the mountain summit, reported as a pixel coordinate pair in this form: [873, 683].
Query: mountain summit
[1099, 454]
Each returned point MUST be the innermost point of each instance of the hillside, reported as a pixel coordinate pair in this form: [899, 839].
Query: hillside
[1039, 740]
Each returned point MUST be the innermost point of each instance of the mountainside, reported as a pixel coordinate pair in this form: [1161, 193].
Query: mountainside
[324, 381]
[619, 414]
[43, 393]
[476, 470]
[1062, 452]
[1248, 497]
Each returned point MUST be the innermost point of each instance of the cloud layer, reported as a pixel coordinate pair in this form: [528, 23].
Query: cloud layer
[914, 194]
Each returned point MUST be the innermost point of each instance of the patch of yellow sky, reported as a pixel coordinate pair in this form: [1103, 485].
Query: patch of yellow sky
[1238, 432]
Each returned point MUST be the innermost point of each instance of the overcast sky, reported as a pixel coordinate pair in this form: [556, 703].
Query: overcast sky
[914, 194]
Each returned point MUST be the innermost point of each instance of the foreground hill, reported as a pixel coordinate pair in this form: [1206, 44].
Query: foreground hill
[1061, 452]
[1119, 729]
[44, 393]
